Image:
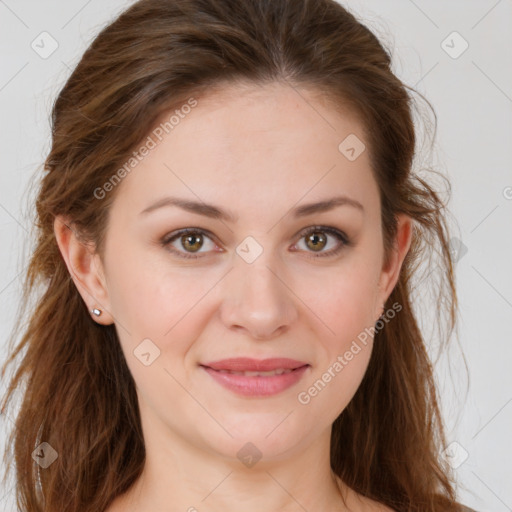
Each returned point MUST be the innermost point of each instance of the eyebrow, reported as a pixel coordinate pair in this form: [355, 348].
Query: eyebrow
[215, 212]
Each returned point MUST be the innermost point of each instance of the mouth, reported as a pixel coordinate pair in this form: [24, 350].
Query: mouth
[257, 383]
[247, 373]
[248, 364]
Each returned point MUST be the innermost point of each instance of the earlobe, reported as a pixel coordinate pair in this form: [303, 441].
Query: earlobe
[390, 274]
[82, 264]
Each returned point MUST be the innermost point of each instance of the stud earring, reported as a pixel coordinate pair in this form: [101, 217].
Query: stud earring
[96, 311]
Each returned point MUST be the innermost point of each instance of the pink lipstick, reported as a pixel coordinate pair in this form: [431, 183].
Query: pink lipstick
[253, 377]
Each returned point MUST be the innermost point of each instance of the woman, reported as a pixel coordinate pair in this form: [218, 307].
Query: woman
[228, 230]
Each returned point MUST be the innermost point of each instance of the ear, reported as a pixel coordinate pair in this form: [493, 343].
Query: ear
[85, 268]
[390, 273]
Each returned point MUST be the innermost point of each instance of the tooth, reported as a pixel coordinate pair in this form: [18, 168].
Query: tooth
[270, 373]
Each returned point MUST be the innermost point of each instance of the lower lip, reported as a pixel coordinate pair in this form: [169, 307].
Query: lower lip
[257, 385]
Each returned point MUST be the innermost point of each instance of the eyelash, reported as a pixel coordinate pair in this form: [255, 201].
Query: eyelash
[342, 237]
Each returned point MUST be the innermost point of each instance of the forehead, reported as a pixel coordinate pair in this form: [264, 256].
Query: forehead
[255, 146]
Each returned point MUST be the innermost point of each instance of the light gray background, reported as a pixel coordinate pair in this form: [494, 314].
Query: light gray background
[472, 96]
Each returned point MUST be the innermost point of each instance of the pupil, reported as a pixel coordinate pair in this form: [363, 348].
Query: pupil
[190, 238]
[315, 239]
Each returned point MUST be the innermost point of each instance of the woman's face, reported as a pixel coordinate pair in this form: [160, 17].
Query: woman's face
[248, 280]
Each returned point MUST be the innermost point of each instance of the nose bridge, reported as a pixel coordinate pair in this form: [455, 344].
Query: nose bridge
[257, 299]
[258, 271]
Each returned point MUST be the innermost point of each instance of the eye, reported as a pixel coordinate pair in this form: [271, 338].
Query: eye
[316, 239]
[189, 238]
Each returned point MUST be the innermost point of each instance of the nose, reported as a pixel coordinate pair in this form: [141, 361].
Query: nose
[258, 300]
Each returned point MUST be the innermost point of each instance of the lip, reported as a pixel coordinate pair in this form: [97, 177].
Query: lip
[242, 364]
[256, 386]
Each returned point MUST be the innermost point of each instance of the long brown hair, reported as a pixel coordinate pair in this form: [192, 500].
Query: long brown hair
[77, 392]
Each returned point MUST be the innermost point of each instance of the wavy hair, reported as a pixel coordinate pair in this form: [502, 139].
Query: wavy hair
[76, 390]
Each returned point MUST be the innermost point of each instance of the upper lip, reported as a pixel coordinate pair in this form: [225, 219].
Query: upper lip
[242, 364]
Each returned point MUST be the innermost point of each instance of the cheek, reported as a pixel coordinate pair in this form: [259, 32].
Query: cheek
[345, 301]
[345, 344]
[158, 302]
[146, 294]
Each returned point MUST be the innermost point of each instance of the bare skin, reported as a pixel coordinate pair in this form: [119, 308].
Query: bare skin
[258, 152]
[351, 501]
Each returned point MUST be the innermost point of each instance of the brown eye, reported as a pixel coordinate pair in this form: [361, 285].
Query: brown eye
[188, 241]
[316, 241]
[317, 238]
[192, 242]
